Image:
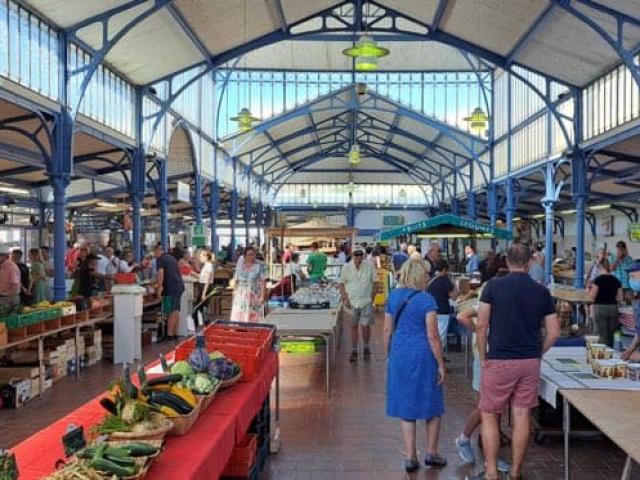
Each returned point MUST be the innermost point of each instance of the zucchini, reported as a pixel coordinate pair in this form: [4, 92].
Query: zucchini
[122, 461]
[139, 449]
[112, 468]
[171, 400]
[164, 379]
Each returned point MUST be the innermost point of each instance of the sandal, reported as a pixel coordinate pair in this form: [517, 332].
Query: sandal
[435, 461]
[481, 476]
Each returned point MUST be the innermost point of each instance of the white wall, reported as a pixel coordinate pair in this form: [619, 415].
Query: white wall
[372, 219]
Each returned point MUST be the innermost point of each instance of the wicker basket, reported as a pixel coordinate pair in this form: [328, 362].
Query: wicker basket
[205, 400]
[183, 423]
[165, 425]
[232, 381]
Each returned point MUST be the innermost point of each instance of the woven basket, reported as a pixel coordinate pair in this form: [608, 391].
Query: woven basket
[232, 381]
[205, 400]
[165, 425]
[183, 423]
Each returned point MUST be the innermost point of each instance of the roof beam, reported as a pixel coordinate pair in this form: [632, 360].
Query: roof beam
[440, 11]
[277, 7]
[528, 34]
[193, 37]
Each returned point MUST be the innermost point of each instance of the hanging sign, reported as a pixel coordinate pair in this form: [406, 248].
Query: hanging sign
[633, 232]
[184, 194]
[198, 236]
[392, 220]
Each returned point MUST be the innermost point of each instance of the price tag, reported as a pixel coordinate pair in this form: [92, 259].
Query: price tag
[73, 440]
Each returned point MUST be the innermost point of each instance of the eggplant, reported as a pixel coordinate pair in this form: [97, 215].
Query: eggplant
[171, 400]
[109, 405]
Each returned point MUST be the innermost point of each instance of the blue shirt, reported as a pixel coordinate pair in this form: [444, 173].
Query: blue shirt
[398, 260]
[620, 270]
[518, 307]
[636, 315]
[472, 264]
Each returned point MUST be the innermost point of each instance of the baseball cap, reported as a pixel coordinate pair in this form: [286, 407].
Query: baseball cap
[358, 250]
[634, 267]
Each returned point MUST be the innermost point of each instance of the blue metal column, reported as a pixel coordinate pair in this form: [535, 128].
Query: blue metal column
[138, 179]
[510, 205]
[59, 172]
[471, 206]
[246, 216]
[492, 208]
[580, 187]
[548, 202]
[351, 216]
[164, 206]
[197, 198]
[214, 207]
[455, 207]
[259, 217]
[233, 214]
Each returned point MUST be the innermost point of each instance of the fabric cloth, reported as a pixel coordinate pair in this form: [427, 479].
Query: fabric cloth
[248, 304]
[619, 268]
[172, 284]
[412, 370]
[317, 262]
[342, 257]
[607, 320]
[441, 287]
[608, 286]
[505, 381]
[518, 307]
[361, 315]
[443, 328]
[171, 303]
[39, 290]
[358, 282]
[9, 279]
[202, 453]
[472, 264]
[536, 272]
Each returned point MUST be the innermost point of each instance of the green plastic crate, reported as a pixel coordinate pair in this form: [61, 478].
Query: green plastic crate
[298, 346]
[12, 321]
[27, 319]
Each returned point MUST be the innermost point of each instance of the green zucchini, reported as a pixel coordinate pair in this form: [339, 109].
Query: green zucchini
[165, 379]
[122, 461]
[112, 468]
[139, 449]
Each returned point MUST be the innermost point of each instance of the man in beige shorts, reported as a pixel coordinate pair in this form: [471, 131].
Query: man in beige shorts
[357, 288]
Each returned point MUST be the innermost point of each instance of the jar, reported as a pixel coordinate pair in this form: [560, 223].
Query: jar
[597, 351]
[633, 372]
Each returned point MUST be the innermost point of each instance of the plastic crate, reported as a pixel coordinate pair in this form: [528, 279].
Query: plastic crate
[26, 319]
[243, 457]
[13, 321]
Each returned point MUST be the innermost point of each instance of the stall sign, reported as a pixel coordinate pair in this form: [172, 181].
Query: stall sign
[184, 194]
[392, 220]
[93, 223]
[633, 232]
[198, 236]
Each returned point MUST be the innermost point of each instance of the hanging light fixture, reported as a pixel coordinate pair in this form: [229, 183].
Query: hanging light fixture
[245, 120]
[303, 193]
[402, 194]
[477, 121]
[354, 154]
[366, 51]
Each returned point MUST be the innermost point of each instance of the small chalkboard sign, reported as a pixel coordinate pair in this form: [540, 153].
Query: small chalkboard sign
[73, 440]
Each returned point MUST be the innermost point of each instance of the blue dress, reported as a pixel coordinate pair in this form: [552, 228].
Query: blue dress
[413, 392]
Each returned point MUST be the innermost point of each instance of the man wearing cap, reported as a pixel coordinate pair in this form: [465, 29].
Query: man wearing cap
[634, 284]
[9, 280]
[357, 289]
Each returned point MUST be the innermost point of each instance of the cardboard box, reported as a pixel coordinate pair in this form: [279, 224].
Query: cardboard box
[4, 334]
[9, 373]
[22, 387]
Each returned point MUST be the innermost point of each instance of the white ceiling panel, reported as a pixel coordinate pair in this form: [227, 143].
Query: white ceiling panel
[422, 10]
[69, 12]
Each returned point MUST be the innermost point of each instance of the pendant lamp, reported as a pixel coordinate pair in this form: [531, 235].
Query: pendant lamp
[477, 121]
[245, 119]
[366, 53]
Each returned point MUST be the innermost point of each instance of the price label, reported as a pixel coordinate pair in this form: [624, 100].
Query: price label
[633, 232]
[73, 440]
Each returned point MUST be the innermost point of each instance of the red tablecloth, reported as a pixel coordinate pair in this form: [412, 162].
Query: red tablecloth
[201, 453]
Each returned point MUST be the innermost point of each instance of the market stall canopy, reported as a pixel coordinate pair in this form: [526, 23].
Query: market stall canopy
[446, 226]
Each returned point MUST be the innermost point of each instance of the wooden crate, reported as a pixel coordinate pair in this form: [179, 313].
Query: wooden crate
[53, 324]
[16, 334]
[36, 328]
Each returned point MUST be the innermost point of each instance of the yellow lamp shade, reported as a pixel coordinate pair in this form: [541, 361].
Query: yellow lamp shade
[477, 121]
[245, 119]
[366, 52]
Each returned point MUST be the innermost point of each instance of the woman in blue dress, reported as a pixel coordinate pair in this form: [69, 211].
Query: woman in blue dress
[415, 364]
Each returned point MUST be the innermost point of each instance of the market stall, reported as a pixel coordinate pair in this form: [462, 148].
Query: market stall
[201, 443]
[303, 235]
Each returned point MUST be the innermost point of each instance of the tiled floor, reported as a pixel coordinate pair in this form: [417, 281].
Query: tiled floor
[342, 437]
[347, 436]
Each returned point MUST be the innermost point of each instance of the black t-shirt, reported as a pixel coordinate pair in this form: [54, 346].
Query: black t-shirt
[608, 286]
[518, 307]
[440, 288]
[172, 284]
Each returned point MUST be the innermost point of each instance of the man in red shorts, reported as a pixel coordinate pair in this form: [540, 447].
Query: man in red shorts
[512, 312]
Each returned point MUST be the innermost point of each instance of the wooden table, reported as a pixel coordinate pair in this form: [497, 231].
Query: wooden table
[575, 296]
[614, 413]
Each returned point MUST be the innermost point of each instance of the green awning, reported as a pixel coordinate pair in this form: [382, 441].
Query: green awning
[447, 225]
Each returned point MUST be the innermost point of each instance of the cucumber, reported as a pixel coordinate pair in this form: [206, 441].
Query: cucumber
[122, 461]
[112, 468]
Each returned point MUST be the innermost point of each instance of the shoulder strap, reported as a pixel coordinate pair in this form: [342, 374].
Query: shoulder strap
[406, 301]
